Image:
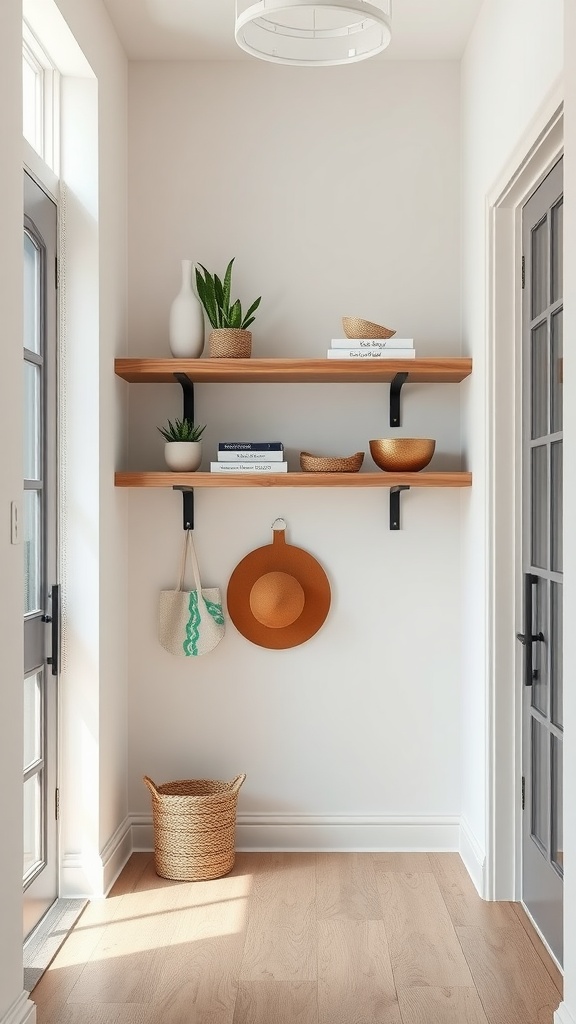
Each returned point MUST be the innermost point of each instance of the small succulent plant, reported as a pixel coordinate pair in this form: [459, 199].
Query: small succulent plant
[214, 295]
[182, 430]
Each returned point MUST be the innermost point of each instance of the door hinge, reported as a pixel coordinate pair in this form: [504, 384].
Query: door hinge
[57, 273]
[57, 804]
[523, 272]
[523, 792]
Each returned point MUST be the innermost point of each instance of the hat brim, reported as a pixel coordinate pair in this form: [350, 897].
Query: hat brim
[305, 568]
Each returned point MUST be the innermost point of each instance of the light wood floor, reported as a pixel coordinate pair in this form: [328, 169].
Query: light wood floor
[302, 939]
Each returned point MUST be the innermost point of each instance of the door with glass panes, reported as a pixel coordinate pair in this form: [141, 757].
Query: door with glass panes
[41, 594]
[542, 734]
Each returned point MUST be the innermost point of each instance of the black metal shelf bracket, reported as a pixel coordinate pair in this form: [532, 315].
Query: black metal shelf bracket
[187, 396]
[187, 414]
[187, 505]
[395, 389]
[395, 505]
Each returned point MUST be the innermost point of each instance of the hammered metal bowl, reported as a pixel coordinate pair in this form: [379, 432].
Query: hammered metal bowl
[402, 454]
[354, 327]
[330, 463]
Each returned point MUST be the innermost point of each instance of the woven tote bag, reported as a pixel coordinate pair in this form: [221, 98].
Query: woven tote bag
[190, 622]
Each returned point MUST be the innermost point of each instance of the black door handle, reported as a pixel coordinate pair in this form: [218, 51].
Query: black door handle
[527, 638]
[534, 639]
[54, 619]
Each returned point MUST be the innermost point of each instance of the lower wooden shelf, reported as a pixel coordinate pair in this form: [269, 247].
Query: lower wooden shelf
[378, 479]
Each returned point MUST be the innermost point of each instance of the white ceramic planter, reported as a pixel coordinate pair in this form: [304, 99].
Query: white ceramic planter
[183, 456]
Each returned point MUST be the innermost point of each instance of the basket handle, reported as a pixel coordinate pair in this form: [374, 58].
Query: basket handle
[151, 785]
[236, 783]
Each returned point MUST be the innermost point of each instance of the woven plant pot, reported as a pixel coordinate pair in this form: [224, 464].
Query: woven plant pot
[194, 827]
[230, 343]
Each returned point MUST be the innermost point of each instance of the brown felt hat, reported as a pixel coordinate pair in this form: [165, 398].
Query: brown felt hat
[278, 595]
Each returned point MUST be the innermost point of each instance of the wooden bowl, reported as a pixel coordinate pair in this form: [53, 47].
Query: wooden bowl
[354, 327]
[330, 463]
[402, 454]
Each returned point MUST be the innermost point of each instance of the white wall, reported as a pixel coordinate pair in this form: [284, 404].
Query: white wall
[93, 31]
[338, 193]
[96, 723]
[512, 63]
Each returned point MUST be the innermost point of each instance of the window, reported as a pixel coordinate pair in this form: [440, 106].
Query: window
[40, 84]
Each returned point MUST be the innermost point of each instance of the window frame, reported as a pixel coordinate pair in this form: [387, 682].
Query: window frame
[47, 99]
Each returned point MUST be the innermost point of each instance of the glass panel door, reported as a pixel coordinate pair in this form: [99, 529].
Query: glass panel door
[542, 856]
[40, 861]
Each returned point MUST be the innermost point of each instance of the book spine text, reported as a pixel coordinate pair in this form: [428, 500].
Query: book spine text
[248, 467]
[236, 455]
[251, 446]
[372, 343]
[371, 353]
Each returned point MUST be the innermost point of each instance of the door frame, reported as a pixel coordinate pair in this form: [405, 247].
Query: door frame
[541, 147]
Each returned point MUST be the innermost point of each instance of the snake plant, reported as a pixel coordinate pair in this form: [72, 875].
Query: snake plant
[214, 294]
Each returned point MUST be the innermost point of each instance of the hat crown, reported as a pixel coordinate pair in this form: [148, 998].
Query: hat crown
[277, 599]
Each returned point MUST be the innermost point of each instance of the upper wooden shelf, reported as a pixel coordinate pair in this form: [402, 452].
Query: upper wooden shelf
[299, 371]
[369, 479]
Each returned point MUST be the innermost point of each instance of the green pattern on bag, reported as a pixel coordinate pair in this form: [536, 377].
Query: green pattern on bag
[190, 645]
[215, 611]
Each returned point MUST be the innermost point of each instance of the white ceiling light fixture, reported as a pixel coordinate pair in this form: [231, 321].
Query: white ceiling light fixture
[313, 33]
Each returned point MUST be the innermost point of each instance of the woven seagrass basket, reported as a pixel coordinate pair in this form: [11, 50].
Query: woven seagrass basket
[230, 343]
[194, 827]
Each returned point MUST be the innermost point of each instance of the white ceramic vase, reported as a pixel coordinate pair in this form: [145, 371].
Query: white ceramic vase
[186, 326]
[183, 456]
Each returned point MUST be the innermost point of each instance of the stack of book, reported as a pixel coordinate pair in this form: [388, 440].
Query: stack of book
[372, 348]
[250, 457]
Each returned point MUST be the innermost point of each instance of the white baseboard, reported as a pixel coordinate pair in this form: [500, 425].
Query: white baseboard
[564, 1016]
[142, 832]
[312, 832]
[473, 857]
[23, 1011]
[89, 875]
[116, 853]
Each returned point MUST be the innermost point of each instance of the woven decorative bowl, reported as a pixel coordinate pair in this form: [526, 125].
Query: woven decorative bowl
[354, 327]
[402, 454]
[330, 463]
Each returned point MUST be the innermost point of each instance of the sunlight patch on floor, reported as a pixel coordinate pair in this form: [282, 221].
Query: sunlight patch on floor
[181, 912]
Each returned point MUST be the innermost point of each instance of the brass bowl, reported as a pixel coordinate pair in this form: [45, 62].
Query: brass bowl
[330, 463]
[402, 454]
[354, 327]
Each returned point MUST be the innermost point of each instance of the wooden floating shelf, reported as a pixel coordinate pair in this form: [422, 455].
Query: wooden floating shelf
[436, 370]
[396, 372]
[199, 479]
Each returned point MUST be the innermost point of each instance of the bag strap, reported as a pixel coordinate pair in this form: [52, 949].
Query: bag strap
[188, 548]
